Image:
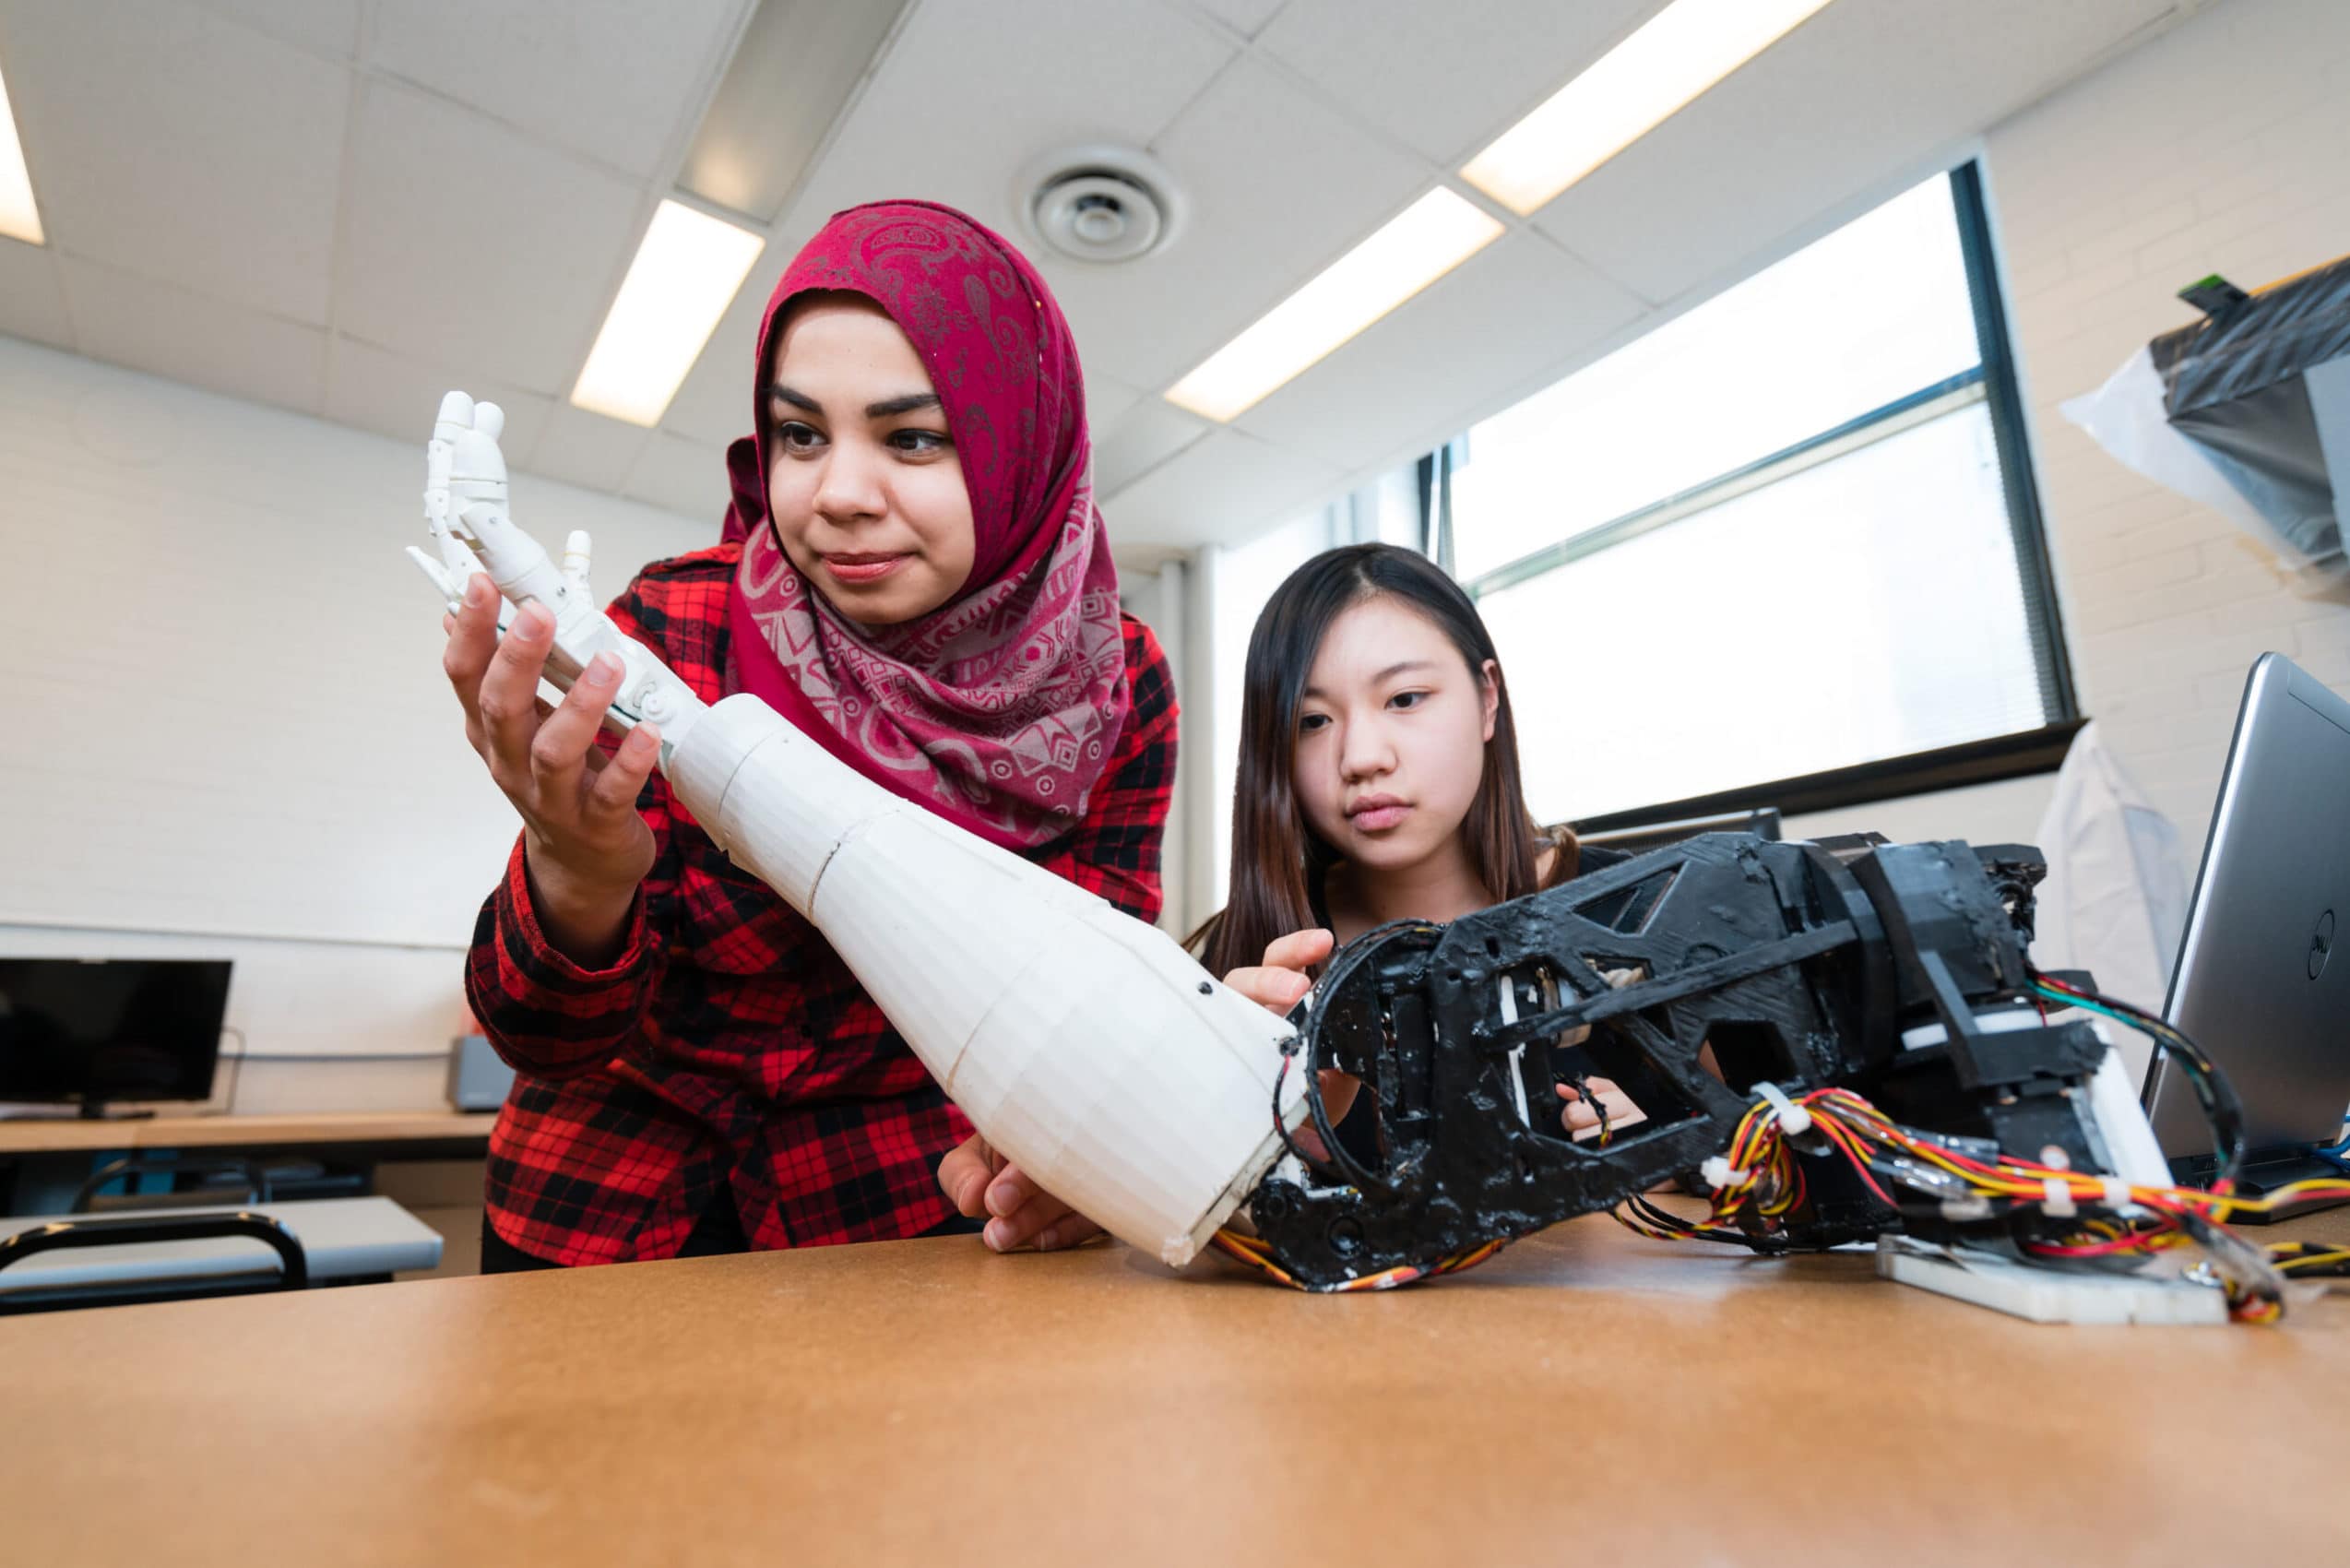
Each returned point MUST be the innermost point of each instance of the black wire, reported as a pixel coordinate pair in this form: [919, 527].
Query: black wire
[1581, 1083]
[2217, 1097]
[1288, 1054]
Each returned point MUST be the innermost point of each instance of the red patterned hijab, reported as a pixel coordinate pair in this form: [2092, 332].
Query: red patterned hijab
[999, 710]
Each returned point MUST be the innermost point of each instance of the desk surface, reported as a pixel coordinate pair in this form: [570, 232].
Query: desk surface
[1589, 1394]
[246, 1132]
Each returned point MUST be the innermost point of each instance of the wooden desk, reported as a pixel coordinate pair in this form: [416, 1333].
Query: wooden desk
[375, 1130]
[1590, 1395]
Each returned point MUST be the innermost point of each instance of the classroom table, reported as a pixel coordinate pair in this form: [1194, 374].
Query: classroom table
[1590, 1395]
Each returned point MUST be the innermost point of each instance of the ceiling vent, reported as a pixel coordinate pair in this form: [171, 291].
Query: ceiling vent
[1100, 203]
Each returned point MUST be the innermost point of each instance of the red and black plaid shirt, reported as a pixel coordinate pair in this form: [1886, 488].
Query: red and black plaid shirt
[728, 1054]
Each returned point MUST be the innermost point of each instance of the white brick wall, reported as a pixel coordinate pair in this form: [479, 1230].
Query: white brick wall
[2223, 145]
[227, 734]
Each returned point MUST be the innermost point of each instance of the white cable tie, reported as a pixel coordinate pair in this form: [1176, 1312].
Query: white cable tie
[1793, 1120]
[2057, 1199]
[1718, 1172]
[2117, 1192]
[1974, 1206]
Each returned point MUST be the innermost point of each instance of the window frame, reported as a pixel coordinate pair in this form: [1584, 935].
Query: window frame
[1992, 382]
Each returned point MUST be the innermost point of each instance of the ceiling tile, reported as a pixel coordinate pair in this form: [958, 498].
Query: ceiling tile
[1768, 159]
[1512, 317]
[1446, 79]
[32, 303]
[183, 147]
[393, 396]
[1225, 487]
[685, 477]
[1139, 440]
[205, 342]
[1279, 185]
[1245, 17]
[968, 94]
[328, 29]
[713, 404]
[471, 247]
[1107, 401]
[586, 450]
[617, 80]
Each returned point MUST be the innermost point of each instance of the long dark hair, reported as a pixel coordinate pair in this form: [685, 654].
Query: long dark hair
[1278, 861]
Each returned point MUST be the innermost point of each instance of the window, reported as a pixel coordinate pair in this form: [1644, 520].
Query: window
[1783, 550]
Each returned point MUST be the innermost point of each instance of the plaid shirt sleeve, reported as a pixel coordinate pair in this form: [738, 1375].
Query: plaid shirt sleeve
[1114, 853]
[546, 1014]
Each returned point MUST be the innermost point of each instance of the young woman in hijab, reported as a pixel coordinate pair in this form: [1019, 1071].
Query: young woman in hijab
[916, 574]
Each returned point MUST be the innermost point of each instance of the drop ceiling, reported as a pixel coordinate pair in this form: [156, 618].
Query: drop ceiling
[346, 207]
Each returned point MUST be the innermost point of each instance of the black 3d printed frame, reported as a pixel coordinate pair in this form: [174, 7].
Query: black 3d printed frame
[1853, 963]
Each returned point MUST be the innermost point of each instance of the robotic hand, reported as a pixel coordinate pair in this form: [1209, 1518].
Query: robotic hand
[465, 509]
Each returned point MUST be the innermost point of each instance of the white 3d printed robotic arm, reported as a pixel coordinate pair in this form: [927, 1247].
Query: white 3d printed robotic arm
[1085, 1045]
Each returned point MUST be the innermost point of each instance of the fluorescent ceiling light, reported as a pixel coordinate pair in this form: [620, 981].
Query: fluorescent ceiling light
[1627, 92]
[1415, 248]
[685, 276]
[19, 219]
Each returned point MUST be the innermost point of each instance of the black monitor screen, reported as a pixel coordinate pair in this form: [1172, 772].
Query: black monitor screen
[116, 1029]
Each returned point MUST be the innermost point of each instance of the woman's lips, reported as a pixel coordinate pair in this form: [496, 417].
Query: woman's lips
[1378, 815]
[862, 568]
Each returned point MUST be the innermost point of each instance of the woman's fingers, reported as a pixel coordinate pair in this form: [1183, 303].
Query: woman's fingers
[611, 800]
[1023, 1212]
[1073, 1230]
[1299, 950]
[508, 697]
[473, 637]
[1278, 982]
[964, 1175]
[1276, 990]
[559, 751]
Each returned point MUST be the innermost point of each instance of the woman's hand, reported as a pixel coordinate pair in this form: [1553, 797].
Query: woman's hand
[586, 845]
[977, 1181]
[1582, 1117]
[1276, 984]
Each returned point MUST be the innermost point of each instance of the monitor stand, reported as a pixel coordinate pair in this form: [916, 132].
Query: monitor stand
[98, 1110]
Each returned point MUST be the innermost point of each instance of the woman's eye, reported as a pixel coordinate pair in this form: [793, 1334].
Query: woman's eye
[1407, 700]
[1310, 722]
[796, 437]
[921, 442]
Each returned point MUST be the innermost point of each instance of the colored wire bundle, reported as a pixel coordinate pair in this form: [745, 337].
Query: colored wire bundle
[1758, 1182]
[1255, 1252]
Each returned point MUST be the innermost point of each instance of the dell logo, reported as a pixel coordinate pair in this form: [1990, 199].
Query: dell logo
[2321, 944]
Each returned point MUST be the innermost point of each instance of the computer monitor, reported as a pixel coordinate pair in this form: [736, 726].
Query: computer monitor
[93, 1030]
[2259, 984]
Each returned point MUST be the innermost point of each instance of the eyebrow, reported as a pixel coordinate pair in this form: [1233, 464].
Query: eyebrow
[1393, 669]
[888, 408]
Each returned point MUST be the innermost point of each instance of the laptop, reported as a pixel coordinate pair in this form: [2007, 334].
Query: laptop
[2261, 982]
